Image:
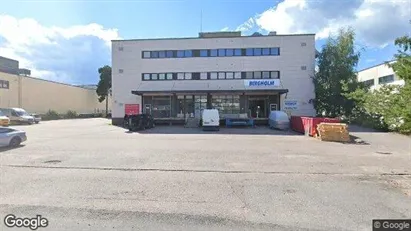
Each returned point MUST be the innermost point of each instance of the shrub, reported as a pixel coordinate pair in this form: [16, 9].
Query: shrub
[51, 115]
[71, 114]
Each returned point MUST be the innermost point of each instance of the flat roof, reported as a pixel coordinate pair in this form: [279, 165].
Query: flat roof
[183, 38]
[376, 65]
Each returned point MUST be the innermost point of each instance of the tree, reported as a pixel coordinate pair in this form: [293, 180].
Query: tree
[336, 77]
[104, 85]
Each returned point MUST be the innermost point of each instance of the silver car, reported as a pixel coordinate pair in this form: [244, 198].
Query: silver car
[11, 137]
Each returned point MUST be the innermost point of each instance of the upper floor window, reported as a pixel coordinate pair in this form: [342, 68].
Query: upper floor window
[203, 53]
[154, 54]
[237, 52]
[229, 52]
[213, 53]
[221, 52]
[266, 51]
[161, 54]
[146, 76]
[146, 54]
[188, 53]
[180, 76]
[180, 54]
[169, 76]
[257, 51]
[154, 76]
[162, 76]
[249, 52]
[386, 79]
[275, 75]
[369, 83]
[170, 54]
[275, 51]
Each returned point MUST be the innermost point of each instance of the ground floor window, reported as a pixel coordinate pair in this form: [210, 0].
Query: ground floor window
[161, 106]
[226, 104]
[200, 103]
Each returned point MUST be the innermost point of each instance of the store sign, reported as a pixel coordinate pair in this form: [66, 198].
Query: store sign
[267, 83]
[132, 109]
[290, 104]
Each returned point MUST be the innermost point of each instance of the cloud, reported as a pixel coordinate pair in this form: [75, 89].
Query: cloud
[376, 22]
[225, 29]
[70, 55]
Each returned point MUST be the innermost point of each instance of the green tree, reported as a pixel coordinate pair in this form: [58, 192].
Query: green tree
[336, 76]
[104, 85]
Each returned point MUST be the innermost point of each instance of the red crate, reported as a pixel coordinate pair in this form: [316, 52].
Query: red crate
[308, 125]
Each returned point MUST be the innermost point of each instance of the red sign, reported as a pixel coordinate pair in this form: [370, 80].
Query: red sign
[132, 109]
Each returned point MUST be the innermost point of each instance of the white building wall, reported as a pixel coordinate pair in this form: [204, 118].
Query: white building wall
[290, 61]
[376, 72]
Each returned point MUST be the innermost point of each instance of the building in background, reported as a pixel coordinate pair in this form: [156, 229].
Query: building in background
[176, 78]
[17, 89]
[378, 75]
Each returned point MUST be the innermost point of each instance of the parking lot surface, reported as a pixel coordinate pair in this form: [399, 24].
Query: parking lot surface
[89, 175]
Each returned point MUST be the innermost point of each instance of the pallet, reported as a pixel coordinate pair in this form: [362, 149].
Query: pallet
[333, 132]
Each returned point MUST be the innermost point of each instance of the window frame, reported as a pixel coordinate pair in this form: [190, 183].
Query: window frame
[202, 53]
[247, 50]
[265, 51]
[255, 53]
[146, 74]
[180, 74]
[144, 54]
[162, 52]
[231, 52]
[180, 54]
[211, 53]
[273, 53]
[154, 54]
[188, 53]
[168, 74]
[221, 52]
[236, 50]
[162, 74]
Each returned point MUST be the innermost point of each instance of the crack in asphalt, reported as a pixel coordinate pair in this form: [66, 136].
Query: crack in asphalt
[204, 171]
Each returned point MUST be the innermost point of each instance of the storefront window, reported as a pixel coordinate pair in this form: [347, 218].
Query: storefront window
[226, 104]
[161, 106]
[200, 103]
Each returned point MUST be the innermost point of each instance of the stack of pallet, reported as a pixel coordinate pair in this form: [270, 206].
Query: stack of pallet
[333, 132]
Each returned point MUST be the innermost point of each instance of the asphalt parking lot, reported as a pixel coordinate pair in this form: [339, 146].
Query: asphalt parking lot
[89, 175]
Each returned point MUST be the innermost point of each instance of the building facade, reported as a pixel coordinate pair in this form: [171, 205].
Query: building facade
[39, 95]
[174, 79]
[378, 75]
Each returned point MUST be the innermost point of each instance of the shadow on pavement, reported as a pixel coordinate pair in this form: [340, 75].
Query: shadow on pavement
[260, 130]
[8, 148]
[356, 128]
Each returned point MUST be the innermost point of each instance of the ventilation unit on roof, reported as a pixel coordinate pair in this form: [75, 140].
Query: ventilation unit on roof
[272, 33]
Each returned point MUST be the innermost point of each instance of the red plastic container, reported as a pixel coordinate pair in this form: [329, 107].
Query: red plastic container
[308, 125]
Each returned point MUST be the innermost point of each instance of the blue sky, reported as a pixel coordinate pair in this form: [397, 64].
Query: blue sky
[68, 40]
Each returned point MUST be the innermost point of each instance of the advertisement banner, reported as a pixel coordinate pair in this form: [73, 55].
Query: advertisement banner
[261, 83]
[132, 109]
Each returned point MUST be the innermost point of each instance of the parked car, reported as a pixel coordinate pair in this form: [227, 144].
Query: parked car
[138, 122]
[18, 115]
[4, 120]
[210, 119]
[279, 120]
[11, 137]
[37, 117]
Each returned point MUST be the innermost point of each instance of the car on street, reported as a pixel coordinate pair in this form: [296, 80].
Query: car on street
[37, 117]
[4, 120]
[11, 137]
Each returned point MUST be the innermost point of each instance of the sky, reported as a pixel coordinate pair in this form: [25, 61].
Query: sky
[68, 40]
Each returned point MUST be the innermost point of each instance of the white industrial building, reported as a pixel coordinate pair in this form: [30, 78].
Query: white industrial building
[376, 76]
[175, 78]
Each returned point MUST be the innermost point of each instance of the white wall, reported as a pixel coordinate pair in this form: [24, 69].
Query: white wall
[377, 72]
[292, 57]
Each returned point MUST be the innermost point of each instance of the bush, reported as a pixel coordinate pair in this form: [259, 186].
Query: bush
[51, 115]
[71, 115]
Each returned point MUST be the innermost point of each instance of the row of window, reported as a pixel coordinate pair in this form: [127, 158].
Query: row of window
[4, 84]
[274, 51]
[381, 80]
[211, 75]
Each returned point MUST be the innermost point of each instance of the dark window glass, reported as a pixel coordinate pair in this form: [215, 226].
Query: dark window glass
[266, 51]
[170, 54]
[237, 52]
[154, 54]
[188, 53]
[221, 52]
[275, 51]
[249, 75]
[369, 83]
[257, 74]
[386, 79]
[257, 51]
[266, 74]
[196, 53]
[213, 53]
[196, 75]
[162, 54]
[180, 54]
[249, 52]
[203, 53]
[229, 52]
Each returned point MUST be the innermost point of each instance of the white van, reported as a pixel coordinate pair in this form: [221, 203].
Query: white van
[18, 115]
[210, 119]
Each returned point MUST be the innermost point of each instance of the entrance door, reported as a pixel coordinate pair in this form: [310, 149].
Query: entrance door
[257, 108]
